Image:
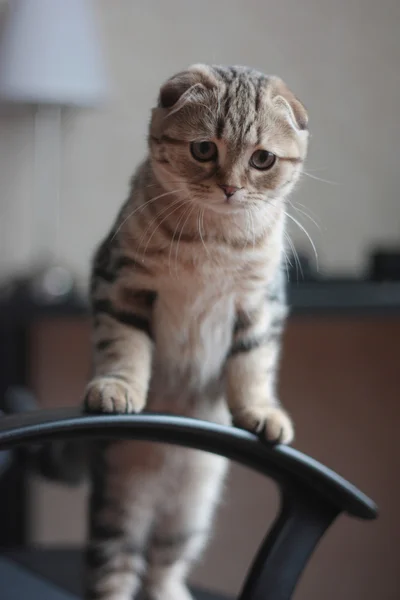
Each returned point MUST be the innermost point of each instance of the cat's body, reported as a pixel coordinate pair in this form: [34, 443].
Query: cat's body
[188, 302]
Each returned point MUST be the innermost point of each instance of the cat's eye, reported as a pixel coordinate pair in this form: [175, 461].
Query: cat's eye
[204, 151]
[262, 160]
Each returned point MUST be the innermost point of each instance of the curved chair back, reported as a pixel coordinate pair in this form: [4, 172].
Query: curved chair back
[312, 496]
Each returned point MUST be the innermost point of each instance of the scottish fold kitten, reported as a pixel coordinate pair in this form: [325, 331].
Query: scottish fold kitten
[188, 303]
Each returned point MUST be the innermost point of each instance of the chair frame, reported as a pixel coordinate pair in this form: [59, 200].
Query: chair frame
[312, 496]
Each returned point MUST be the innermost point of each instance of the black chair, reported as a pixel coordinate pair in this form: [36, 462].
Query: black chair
[312, 496]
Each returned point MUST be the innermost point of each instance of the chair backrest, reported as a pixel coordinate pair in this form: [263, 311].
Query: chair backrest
[312, 496]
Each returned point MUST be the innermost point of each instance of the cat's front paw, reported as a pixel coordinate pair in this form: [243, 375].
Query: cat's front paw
[272, 422]
[110, 395]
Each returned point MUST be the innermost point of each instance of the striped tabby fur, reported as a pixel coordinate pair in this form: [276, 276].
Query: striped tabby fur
[188, 309]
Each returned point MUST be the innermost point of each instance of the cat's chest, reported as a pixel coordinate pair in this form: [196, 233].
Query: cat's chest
[192, 327]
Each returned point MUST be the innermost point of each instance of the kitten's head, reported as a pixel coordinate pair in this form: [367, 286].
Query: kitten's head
[230, 138]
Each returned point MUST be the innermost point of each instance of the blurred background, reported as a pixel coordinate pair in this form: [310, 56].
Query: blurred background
[77, 82]
[340, 58]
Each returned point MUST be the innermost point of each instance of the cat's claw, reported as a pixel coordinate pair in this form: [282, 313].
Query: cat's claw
[109, 395]
[271, 422]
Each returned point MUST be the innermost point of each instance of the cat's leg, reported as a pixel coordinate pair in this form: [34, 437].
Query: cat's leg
[184, 524]
[121, 513]
[122, 350]
[251, 372]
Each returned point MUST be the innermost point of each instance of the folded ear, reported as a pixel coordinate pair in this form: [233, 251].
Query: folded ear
[197, 77]
[289, 102]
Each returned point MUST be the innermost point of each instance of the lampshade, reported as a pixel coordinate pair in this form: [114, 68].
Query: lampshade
[50, 54]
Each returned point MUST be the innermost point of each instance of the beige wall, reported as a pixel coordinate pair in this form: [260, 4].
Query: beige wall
[342, 58]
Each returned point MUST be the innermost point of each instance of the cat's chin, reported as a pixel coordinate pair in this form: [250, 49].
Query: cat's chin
[225, 207]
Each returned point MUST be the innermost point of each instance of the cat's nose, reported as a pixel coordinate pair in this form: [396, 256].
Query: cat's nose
[229, 190]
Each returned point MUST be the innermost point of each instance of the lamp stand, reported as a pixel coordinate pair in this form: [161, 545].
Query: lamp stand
[50, 282]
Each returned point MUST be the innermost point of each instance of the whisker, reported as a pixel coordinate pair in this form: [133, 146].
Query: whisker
[296, 257]
[171, 181]
[173, 236]
[141, 207]
[307, 208]
[159, 225]
[319, 178]
[303, 212]
[288, 263]
[200, 227]
[317, 170]
[180, 235]
[154, 220]
[177, 201]
[248, 228]
[307, 234]
[253, 229]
